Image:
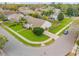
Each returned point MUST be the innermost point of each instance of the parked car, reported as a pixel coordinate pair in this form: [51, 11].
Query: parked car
[65, 32]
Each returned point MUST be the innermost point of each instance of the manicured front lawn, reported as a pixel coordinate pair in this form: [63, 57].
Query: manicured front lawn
[63, 31]
[54, 28]
[28, 34]
[17, 27]
[21, 40]
[31, 36]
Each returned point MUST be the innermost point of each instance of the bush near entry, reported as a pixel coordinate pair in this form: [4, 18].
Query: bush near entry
[38, 31]
[60, 16]
[77, 42]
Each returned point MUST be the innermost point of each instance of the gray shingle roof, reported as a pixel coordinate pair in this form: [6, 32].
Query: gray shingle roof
[35, 21]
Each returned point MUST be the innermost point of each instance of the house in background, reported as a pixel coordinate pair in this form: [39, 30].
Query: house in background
[15, 17]
[55, 14]
[25, 10]
[6, 12]
[35, 22]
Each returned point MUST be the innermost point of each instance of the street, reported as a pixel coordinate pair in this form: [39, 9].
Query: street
[60, 47]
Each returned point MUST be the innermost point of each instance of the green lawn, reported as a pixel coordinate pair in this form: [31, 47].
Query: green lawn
[31, 36]
[63, 31]
[27, 33]
[55, 28]
[21, 40]
[17, 27]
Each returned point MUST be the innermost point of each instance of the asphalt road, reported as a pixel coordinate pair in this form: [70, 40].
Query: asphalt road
[60, 47]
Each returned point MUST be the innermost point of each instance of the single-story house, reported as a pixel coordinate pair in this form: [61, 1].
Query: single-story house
[15, 17]
[25, 10]
[55, 15]
[38, 22]
[7, 12]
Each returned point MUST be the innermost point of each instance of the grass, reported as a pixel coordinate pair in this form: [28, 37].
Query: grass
[56, 27]
[32, 37]
[63, 31]
[21, 40]
[25, 42]
[17, 27]
[28, 33]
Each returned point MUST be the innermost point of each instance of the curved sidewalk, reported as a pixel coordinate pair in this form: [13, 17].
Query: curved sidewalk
[27, 39]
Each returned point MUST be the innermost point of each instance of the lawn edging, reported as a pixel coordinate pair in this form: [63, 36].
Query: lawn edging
[22, 39]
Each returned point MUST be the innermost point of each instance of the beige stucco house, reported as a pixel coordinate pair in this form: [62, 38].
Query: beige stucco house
[25, 10]
[38, 22]
[15, 17]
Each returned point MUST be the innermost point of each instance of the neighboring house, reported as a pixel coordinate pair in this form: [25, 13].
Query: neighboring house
[38, 22]
[25, 10]
[7, 12]
[15, 17]
[55, 15]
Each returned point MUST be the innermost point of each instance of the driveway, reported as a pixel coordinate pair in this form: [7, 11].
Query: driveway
[60, 47]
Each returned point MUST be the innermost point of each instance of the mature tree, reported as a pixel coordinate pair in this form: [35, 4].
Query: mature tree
[36, 15]
[45, 17]
[2, 17]
[38, 31]
[47, 13]
[75, 12]
[77, 42]
[60, 16]
[70, 12]
[3, 40]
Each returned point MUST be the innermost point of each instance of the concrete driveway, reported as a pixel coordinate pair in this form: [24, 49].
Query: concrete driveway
[60, 47]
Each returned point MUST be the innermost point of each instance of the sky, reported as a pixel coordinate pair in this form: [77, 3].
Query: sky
[41, 1]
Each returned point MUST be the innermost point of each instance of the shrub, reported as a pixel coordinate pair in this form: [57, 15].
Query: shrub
[77, 42]
[60, 16]
[3, 40]
[45, 17]
[36, 15]
[38, 31]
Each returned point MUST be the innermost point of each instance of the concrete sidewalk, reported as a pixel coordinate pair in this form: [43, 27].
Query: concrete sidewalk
[51, 35]
[25, 38]
[63, 28]
[60, 47]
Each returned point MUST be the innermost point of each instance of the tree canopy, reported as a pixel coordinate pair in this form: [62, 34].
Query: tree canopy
[38, 31]
[3, 40]
[60, 16]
